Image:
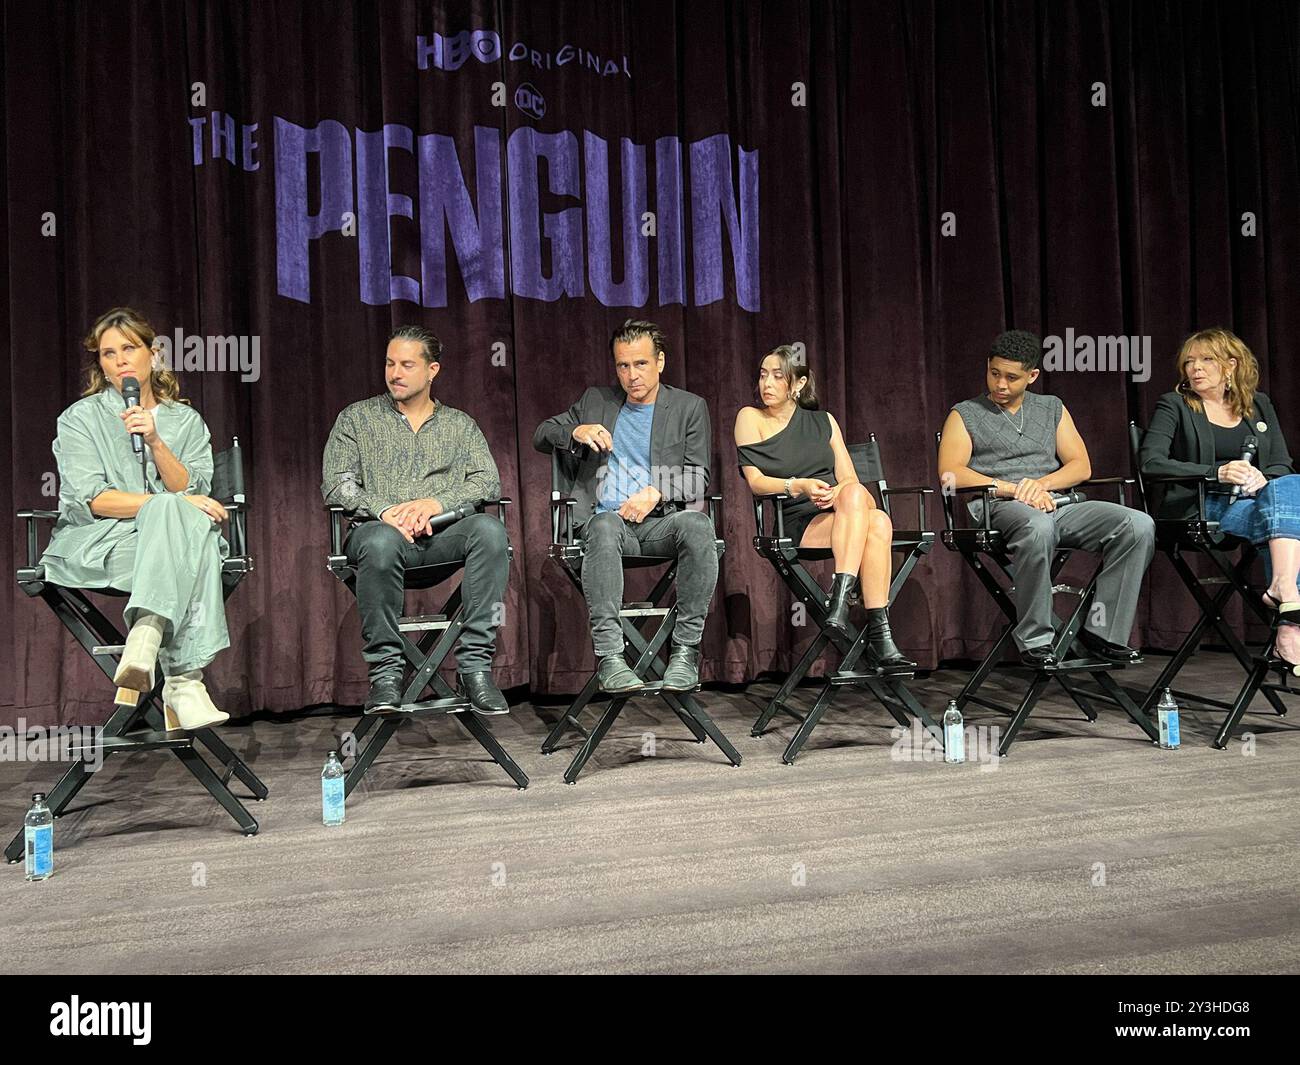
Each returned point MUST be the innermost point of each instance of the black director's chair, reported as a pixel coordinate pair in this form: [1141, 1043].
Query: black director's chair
[424, 655]
[887, 686]
[136, 723]
[985, 542]
[647, 646]
[1178, 539]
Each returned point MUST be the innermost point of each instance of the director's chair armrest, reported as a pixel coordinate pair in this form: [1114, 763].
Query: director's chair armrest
[500, 504]
[713, 505]
[1201, 483]
[562, 519]
[338, 530]
[988, 491]
[776, 499]
[32, 517]
[1121, 482]
[920, 491]
[236, 509]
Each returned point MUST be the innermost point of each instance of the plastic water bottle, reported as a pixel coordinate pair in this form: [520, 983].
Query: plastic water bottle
[954, 734]
[1167, 713]
[331, 786]
[38, 836]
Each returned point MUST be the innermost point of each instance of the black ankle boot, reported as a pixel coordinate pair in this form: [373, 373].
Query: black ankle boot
[882, 652]
[837, 613]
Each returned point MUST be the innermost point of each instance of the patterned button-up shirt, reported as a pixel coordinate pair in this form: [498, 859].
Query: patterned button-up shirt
[374, 461]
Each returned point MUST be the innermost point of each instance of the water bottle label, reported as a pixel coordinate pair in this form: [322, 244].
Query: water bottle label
[954, 743]
[40, 850]
[1169, 728]
[332, 797]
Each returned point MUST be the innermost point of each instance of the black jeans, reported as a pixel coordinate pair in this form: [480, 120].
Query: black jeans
[683, 534]
[382, 556]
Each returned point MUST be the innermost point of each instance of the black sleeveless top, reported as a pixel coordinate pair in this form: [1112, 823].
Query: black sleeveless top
[801, 449]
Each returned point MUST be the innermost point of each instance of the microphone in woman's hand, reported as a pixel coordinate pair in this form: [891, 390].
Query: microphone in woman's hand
[1249, 448]
[131, 396]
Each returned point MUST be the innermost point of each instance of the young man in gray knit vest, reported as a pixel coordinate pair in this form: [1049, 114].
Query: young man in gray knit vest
[1027, 445]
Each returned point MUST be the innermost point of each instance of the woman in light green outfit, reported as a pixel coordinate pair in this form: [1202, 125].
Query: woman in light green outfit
[152, 532]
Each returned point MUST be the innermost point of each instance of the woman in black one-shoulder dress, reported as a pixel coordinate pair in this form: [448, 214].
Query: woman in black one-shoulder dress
[790, 446]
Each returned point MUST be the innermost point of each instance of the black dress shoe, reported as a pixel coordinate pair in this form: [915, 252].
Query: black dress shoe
[683, 671]
[616, 677]
[484, 696]
[385, 694]
[1039, 657]
[1112, 652]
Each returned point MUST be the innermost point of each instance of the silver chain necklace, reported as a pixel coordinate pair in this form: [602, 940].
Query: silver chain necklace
[1020, 429]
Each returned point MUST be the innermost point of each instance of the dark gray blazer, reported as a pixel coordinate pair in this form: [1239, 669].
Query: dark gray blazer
[1180, 442]
[681, 443]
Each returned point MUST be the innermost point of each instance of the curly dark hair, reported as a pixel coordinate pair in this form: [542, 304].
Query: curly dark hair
[1020, 346]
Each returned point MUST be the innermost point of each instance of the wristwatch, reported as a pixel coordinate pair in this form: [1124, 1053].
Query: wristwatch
[788, 482]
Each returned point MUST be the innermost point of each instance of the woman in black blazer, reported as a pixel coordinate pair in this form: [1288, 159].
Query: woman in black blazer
[1201, 430]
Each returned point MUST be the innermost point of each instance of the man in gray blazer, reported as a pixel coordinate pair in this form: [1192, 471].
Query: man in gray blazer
[642, 452]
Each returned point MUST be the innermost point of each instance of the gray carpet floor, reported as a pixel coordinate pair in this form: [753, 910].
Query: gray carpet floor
[1086, 851]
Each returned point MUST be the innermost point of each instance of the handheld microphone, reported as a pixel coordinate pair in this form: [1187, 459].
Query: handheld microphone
[448, 516]
[131, 396]
[1249, 448]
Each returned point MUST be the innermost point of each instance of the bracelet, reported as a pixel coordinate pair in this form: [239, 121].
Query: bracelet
[788, 482]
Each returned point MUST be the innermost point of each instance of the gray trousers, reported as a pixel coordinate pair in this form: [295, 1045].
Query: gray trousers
[1125, 538]
[684, 534]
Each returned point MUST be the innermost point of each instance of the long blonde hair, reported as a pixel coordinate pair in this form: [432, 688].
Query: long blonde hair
[1239, 384]
[163, 383]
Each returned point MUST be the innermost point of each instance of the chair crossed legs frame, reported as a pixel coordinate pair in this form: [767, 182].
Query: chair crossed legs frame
[889, 688]
[424, 655]
[977, 544]
[138, 725]
[647, 646]
[1178, 539]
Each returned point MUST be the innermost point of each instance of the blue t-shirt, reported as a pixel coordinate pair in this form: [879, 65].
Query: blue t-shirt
[628, 468]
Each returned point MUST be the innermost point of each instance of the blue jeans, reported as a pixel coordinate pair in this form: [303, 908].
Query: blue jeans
[1274, 514]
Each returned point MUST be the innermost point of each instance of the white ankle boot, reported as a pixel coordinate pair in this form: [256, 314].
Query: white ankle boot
[140, 654]
[186, 704]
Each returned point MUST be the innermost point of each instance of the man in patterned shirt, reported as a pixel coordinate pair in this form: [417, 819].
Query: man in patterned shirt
[394, 462]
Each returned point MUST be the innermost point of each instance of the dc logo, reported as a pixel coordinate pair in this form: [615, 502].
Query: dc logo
[530, 101]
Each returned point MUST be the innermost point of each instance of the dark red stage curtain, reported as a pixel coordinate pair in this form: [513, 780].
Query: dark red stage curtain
[799, 159]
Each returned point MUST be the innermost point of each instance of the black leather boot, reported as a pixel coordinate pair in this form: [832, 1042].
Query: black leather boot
[385, 693]
[616, 676]
[484, 696]
[837, 613]
[882, 652]
[683, 672]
